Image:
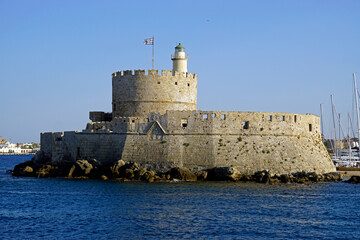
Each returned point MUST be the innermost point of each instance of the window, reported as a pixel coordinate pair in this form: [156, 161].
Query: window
[188, 84]
[270, 118]
[223, 116]
[246, 125]
[184, 123]
[213, 115]
[205, 116]
[133, 120]
[282, 118]
[295, 118]
[310, 127]
[158, 82]
[175, 83]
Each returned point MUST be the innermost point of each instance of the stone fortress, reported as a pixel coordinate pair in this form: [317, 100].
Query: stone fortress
[154, 122]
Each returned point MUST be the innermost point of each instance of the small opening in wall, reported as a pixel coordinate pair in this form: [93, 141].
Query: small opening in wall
[133, 120]
[282, 118]
[295, 118]
[184, 123]
[158, 82]
[175, 83]
[310, 127]
[124, 120]
[213, 115]
[246, 125]
[270, 118]
[188, 84]
[148, 120]
[205, 116]
[223, 116]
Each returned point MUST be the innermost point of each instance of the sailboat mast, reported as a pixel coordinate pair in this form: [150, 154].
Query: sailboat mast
[357, 108]
[349, 136]
[333, 115]
[340, 130]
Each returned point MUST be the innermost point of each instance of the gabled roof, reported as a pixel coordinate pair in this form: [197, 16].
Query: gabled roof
[156, 123]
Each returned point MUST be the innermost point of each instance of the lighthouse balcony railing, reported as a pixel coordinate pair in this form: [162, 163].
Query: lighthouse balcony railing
[179, 57]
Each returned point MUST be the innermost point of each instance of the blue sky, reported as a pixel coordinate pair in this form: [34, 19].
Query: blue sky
[56, 57]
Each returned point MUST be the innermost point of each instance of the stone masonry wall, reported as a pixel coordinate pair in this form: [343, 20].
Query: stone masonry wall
[250, 141]
[137, 93]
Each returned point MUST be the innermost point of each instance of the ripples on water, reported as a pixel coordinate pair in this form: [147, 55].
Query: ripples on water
[76, 209]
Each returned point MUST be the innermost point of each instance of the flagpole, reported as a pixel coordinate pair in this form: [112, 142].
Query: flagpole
[153, 46]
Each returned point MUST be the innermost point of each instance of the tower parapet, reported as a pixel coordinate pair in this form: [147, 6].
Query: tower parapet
[136, 93]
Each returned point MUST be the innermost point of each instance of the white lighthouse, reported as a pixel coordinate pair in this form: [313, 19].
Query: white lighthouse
[179, 59]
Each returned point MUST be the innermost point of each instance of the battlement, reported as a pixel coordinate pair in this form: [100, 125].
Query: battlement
[253, 123]
[164, 73]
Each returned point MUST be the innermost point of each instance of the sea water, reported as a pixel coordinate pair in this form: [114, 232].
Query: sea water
[32, 208]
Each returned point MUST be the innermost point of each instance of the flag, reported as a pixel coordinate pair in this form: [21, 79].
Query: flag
[149, 41]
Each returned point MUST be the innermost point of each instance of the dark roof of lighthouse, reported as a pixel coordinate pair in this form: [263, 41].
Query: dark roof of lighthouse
[179, 46]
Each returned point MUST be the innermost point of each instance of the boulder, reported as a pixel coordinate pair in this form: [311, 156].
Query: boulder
[201, 175]
[148, 176]
[262, 176]
[103, 177]
[139, 173]
[333, 176]
[183, 174]
[46, 171]
[126, 170]
[80, 169]
[223, 174]
[285, 178]
[354, 179]
[115, 168]
[313, 176]
[25, 169]
[246, 178]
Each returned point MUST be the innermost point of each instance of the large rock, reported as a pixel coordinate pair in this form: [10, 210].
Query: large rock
[182, 174]
[81, 169]
[354, 179]
[333, 176]
[201, 175]
[262, 177]
[115, 168]
[148, 176]
[46, 171]
[223, 174]
[25, 169]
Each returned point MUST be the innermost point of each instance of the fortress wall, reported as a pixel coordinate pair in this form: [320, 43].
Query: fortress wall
[137, 94]
[243, 123]
[248, 153]
[280, 145]
[78, 145]
[278, 154]
[101, 146]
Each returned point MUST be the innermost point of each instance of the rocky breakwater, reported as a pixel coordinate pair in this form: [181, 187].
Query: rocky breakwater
[132, 171]
[354, 179]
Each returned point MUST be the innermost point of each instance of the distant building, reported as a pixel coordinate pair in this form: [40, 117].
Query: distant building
[18, 148]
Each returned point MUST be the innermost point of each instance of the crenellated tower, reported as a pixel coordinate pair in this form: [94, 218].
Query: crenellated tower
[137, 93]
